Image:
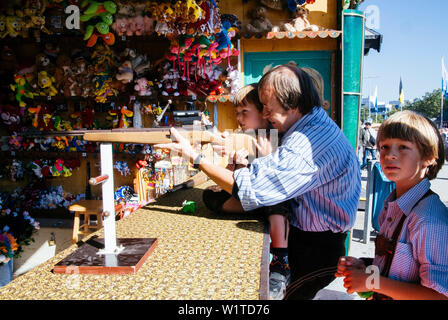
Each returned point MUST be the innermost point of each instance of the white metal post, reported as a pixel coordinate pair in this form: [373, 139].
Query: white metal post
[110, 240]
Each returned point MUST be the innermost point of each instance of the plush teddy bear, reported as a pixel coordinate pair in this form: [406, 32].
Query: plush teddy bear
[63, 68]
[43, 63]
[142, 87]
[299, 22]
[125, 9]
[125, 73]
[65, 77]
[259, 22]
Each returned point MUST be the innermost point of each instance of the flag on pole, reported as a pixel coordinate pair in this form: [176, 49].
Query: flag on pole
[444, 80]
[375, 99]
[401, 92]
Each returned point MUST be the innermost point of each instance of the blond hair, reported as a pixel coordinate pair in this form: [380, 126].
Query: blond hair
[248, 95]
[411, 126]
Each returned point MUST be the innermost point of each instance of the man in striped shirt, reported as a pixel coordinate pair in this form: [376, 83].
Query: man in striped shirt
[314, 167]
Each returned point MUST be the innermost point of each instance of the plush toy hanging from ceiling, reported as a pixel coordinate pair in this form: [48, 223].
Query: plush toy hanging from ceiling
[33, 18]
[351, 4]
[292, 4]
[299, 21]
[175, 18]
[99, 17]
[273, 4]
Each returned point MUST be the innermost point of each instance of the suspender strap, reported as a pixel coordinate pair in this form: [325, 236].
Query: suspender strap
[396, 234]
[393, 242]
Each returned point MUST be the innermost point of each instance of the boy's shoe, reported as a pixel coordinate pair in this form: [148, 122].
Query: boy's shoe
[277, 285]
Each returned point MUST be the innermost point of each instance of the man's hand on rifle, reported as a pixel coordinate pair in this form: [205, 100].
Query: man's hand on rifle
[219, 144]
[182, 146]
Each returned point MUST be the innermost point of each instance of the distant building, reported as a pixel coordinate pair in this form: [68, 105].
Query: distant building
[383, 108]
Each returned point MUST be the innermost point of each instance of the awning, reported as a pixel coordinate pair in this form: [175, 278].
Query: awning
[372, 40]
[304, 34]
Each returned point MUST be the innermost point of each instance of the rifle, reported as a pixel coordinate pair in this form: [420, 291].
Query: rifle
[234, 141]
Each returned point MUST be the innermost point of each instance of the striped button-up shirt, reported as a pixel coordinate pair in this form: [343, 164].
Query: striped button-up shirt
[421, 255]
[315, 167]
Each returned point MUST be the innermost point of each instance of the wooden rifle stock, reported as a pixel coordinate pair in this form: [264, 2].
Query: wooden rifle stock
[235, 141]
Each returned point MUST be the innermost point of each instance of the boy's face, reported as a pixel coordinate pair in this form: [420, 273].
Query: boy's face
[402, 163]
[248, 117]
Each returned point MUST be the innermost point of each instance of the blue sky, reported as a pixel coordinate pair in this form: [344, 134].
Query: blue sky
[415, 37]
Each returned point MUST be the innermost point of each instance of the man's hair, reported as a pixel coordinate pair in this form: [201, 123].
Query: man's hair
[248, 95]
[414, 127]
[292, 87]
[367, 124]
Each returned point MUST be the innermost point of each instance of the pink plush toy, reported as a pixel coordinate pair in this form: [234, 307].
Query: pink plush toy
[131, 27]
[142, 87]
[120, 26]
[139, 25]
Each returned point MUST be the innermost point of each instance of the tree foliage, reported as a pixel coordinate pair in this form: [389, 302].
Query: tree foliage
[428, 105]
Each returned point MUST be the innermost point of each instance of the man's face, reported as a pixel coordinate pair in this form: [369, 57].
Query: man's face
[248, 117]
[273, 111]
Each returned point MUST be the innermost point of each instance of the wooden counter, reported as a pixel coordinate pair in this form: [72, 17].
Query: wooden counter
[198, 257]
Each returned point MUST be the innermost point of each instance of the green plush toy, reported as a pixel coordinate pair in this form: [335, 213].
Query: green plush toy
[100, 16]
[189, 207]
[95, 9]
[366, 294]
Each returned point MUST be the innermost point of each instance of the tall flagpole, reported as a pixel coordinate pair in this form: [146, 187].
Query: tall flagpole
[441, 111]
[399, 95]
[442, 93]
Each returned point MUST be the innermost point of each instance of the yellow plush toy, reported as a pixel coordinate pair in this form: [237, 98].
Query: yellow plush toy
[45, 82]
[194, 11]
[3, 30]
[35, 21]
[13, 26]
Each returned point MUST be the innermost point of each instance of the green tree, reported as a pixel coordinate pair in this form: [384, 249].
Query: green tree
[428, 105]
